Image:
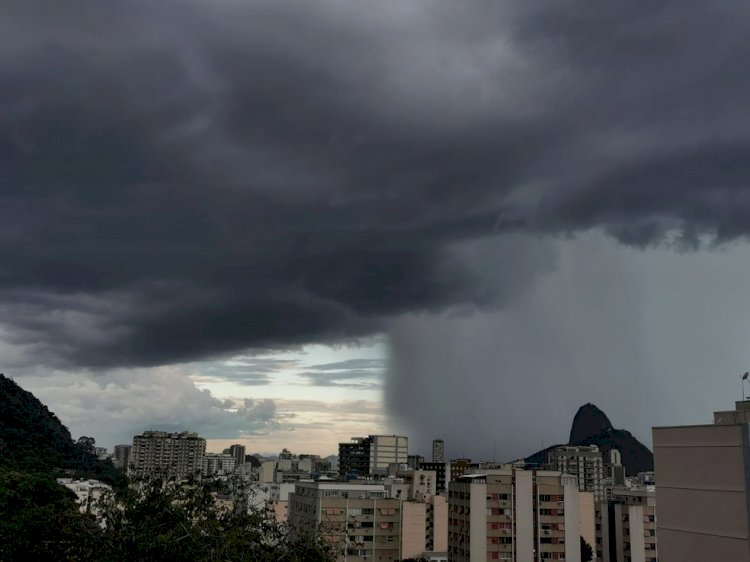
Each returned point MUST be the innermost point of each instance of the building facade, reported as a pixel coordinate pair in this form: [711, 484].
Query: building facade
[356, 518]
[439, 468]
[372, 455]
[582, 461]
[238, 453]
[424, 527]
[166, 455]
[438, 450]
[513, 514]
[121, 456]
[626, 526]
[217, 464]
[703, 489]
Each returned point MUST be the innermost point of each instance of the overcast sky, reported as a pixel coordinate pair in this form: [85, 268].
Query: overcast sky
[290, 221]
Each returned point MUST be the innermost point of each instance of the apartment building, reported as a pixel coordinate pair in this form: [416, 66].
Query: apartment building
[238, 453]
[166, 455]
[372, 455]
[356, 518]
[626, 526]
[703, 489]
[582, 461]
[513, 514]
[217, 464]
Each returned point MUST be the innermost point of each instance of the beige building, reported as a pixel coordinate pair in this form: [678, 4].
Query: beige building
[355, 517]
[424, 527]
[513, 514]
[582, 461]
[626, 526]
[167, 455]
[587, 517]
[703, 489]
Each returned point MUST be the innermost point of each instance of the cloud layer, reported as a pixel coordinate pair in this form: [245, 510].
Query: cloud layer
[185, 179]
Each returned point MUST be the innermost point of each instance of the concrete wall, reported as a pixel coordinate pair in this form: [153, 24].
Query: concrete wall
[478, 530]
[413, 529]
[587, 517]
[572, 521]
[524, 517]
[701, 493]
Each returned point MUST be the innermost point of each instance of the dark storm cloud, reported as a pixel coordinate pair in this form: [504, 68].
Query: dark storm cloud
[183, 179]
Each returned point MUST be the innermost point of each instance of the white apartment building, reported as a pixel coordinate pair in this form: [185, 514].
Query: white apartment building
[218, 464]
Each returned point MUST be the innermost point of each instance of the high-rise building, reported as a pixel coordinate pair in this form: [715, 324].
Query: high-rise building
[354, 457]
[238, 452]
[356, 518]
[703, 489]
[513, 514]
[626, 526]
[372, 455]
[582, 461]
[121, 456]
[217, 464]
[438, 450]
[168, 455]
[439, 468]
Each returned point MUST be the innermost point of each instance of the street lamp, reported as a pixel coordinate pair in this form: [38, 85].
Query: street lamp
[743, 378]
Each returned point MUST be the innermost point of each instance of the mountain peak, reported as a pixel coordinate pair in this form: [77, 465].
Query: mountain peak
[588, 421]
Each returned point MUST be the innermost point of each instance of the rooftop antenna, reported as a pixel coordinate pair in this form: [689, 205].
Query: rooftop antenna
[743, 378]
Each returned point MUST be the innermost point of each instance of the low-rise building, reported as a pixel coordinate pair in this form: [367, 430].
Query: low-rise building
[88, 493]
[217, 464]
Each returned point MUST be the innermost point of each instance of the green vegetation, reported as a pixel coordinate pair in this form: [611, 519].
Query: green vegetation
[40, 519]
[587, 553]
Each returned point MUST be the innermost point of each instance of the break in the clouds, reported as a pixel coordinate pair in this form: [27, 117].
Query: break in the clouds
[186, 179]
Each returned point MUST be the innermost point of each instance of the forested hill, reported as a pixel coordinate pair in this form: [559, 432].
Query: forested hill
[33, 439]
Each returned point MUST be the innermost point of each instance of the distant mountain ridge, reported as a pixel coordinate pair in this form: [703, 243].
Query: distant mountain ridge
[591, 426]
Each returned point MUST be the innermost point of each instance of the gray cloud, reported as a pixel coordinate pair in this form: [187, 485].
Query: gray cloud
[121, 403]
[186, 180]
[653, 338]
[378, 364]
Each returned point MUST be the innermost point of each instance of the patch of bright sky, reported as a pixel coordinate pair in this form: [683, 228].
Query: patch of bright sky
[282, 375]
[323, 394]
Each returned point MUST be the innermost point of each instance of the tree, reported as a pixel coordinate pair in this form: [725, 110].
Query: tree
[587, 553]
[160, 520]
[40, 520]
